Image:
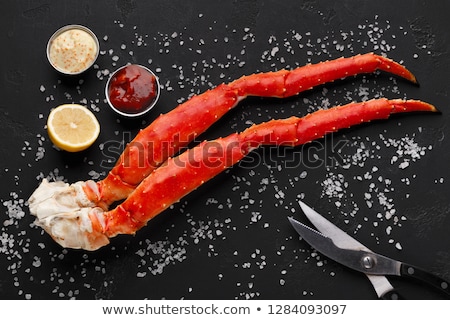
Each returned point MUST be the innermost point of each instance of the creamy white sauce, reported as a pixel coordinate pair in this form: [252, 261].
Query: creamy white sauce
[73, 51]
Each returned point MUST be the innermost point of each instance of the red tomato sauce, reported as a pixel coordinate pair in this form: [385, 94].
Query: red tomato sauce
[132, 89]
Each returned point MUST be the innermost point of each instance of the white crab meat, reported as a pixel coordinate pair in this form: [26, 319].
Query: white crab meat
[64, 212]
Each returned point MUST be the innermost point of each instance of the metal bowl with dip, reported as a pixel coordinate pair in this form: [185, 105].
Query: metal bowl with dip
[73, 49]
[132, 90]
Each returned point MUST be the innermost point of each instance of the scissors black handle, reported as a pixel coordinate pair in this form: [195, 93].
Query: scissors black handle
[413, 272]
[391, 295]
[410, 271]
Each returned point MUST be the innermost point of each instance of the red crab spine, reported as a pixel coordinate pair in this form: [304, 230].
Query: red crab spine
[170, 132]
[180, 175]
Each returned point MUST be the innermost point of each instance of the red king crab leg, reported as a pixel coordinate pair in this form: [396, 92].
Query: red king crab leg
[169, 133]
[173, 131]
[180, 175]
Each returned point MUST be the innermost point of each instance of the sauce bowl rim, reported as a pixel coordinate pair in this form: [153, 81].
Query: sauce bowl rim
[71, 27]
[147, 108]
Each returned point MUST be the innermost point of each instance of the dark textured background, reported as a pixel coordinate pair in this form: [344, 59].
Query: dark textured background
[230, 239]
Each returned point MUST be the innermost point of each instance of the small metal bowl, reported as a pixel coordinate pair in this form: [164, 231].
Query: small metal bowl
[142, 110]
[89, 59]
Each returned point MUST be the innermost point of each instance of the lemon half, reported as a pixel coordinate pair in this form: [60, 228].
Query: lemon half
[72, 127]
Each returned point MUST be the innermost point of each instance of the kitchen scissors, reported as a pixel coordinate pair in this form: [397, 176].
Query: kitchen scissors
[334, 243]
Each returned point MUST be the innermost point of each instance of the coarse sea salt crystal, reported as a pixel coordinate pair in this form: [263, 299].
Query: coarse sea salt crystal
[404, 165]
[388, 230]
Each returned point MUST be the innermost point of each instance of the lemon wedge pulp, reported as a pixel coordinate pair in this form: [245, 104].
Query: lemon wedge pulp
[72, 127]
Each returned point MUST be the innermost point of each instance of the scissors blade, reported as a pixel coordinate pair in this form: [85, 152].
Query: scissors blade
[325, 245]
[339, 237]
[347, 257]
[379, 282]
